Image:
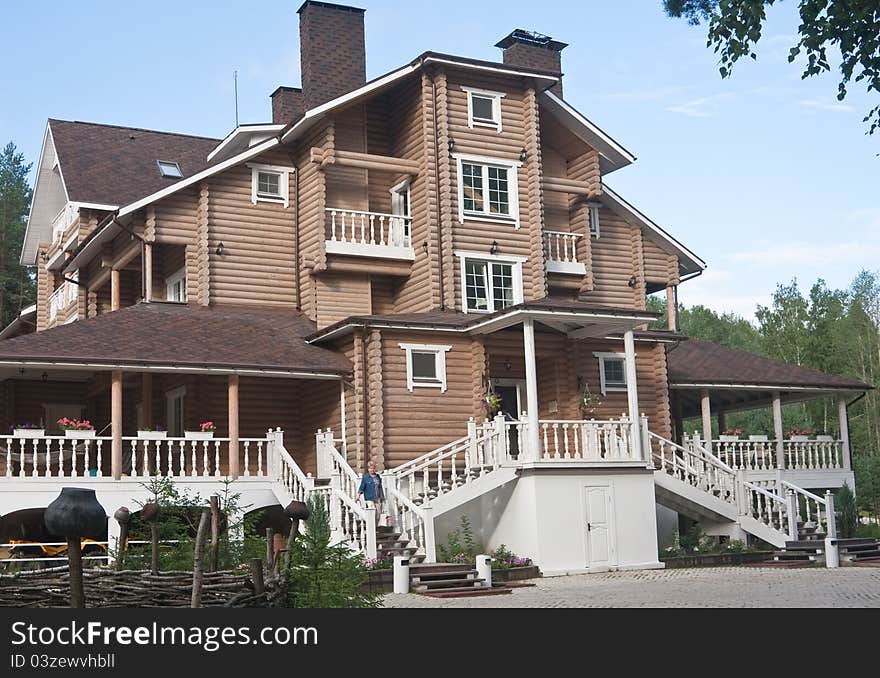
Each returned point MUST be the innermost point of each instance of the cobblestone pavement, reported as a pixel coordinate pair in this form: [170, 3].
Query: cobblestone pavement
[705, 587]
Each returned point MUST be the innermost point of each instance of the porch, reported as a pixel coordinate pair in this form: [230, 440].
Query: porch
[710, 382]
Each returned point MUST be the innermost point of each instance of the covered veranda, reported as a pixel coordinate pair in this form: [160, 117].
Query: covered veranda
[170, 366]
[707, 381]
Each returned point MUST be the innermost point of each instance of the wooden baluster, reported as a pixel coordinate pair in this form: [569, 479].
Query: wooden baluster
[372, 229]
[363, 230]
[260, 460]
[555, 441]
[566, 454]
[217, 458]
[8, 447]
[546, 447]
[247, 460]
[577, 433]
[453, 478]
[181, 458]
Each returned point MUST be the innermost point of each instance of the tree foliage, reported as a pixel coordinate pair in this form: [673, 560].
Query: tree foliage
[851, 27]
[324, 575]
[17, 285]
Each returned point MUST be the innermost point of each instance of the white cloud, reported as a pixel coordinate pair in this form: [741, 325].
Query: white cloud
[703, 107]
[818, 104]
[806, 253]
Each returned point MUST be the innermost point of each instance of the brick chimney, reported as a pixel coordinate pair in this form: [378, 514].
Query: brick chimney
[332, 51]
[525, 49]
[287, 105]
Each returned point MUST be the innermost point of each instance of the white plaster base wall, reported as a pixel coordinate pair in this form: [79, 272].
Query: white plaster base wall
[543, 515]
[667, 524]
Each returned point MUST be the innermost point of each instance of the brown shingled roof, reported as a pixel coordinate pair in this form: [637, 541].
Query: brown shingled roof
[112, 165]
[162, 335]
[702, 362]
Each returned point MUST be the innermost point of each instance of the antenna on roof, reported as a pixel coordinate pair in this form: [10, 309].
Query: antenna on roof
[235, 83]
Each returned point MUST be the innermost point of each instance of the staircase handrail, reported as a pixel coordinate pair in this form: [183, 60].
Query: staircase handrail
[349, 478]
[697, 450]
[426, 459]
[763, 490]
[799, 490]
[827, 503]
[420, 532]
[432, 458]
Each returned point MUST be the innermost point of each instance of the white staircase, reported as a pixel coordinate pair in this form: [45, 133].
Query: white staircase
[694, 482]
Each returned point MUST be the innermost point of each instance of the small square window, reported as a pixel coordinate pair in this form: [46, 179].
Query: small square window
[269, 184]
[425, 365]
[169, 169]
[484, 108]
[612, 372]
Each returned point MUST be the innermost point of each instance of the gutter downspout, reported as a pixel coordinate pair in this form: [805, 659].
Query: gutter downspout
[437, 191]
[297, 284]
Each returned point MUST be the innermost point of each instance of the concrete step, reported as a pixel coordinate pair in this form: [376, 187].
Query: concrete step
[469, 593]
[428, 568]
[438, 576]
[448, 585]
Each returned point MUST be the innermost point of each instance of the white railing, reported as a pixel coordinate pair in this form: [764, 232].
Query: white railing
[561, 252]
[610, 440]
[812, 510]
[696, 467]
[297, 485]
[765, 506]
[60, 299]
[359, 228]
[63, 220]
[331, 464]
[47, 456]
[761, 455]
[416, 523]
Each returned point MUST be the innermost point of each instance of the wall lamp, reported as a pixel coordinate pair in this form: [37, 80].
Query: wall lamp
[493, 248]
[633, 281]
[219, 249]
[507, 364]
[523, 154]
[451, 145]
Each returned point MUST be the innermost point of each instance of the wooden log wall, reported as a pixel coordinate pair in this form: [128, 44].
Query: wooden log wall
[340, 296]
[25, 400]
[311, 202]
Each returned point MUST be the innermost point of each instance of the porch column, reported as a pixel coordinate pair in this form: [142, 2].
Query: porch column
[114, 289]
[233, 426]
[671, 310]
[531, 388]
[148, 271]
[632, 390]
[116, 423]
[342, 431]
[706, 409]
[844, 431]
[777, 430]
[147, 398]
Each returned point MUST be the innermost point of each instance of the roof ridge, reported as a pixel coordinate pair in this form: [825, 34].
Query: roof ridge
[134, 129]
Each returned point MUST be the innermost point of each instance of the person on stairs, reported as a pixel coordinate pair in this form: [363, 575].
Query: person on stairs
[371, 489]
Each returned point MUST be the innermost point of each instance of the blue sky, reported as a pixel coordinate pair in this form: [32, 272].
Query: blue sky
[765, 176]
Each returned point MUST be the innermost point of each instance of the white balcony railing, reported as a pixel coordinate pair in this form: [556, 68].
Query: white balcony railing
[823, 453]
[370, 234]
[562, 253]
[61, 299]
[63, 220]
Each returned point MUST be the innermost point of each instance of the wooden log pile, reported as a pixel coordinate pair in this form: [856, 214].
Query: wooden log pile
[104, 587]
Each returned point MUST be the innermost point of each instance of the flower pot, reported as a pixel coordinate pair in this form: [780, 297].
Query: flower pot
[758, 439]
[93, 472]
[198, 435]
[152, 435]
[79, 435]
[727, 439]
[29, 432]
[825, 439]
[799, 439]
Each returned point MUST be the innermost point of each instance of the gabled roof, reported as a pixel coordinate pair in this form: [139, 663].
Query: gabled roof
[697, 363]
[113, 165]
[163, 337]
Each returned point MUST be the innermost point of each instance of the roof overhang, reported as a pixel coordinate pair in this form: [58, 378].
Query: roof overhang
[612, 156]
[688, 261]
[242, 138]
[42, 212]
[68, 365]
[28, 316]
[817, 389]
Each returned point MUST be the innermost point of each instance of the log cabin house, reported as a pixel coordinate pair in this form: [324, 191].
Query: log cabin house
[354, 280]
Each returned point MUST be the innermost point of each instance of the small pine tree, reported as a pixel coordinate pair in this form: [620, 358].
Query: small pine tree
[322, 575]
[847, 513]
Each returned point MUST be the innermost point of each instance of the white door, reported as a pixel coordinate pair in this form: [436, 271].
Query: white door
[600, 529]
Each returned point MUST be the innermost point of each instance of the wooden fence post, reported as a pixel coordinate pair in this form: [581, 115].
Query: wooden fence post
[198, 575]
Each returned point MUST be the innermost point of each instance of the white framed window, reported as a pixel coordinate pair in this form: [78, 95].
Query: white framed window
[426, 365]
[270, 183]
[488, 189]
[490, 282]
[175, 286]
[612, 371]
[595, 231]
[484, 108]
[401, 235]
[175, 411]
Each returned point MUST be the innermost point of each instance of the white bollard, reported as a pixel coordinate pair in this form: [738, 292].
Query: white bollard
[401, 574]
[484, 570]
[832, 555]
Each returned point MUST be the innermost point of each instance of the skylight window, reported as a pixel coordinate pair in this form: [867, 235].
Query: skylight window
[169, 169]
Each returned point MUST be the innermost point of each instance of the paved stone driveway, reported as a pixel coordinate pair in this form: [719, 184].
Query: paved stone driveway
[706, 587]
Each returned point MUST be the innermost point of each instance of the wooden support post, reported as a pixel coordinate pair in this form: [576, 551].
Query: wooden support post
[148, 271]
[215, 531]
[632, 391]
[257, 576]
[270, 549]
[233, 426]
[706, 410]
[114, 289]
[74, 559]
[671, 310]
[198, 575]
[154, 548]
[147, 398]
[777, 430]
[844, 432]
[116, 423]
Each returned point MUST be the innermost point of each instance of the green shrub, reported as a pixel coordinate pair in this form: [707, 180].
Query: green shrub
[323, 575]
[503, 559]
[460, 547]
[868, 531]
[847, 513]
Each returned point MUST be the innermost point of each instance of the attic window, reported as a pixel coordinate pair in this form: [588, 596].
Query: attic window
[484, 108]
[169, 169]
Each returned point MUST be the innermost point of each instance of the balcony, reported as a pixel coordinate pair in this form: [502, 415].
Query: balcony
[61, 300]
[369, 234]
[561, 253]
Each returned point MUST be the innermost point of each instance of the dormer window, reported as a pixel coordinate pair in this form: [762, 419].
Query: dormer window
[270, 184]
[484, 108]
[169, 169]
